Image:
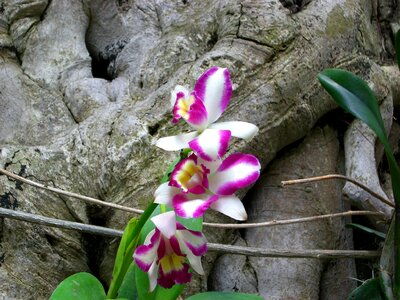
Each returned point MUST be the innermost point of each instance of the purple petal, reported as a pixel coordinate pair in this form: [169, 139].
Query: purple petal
[214, 88]
[173, 241]
[193, 244]
[189, 177]
[145, 255]
[178, 92]
[236, 171]
[168, 279]
[211, 144]
[191, 109]
[195, 241]
[191, 208]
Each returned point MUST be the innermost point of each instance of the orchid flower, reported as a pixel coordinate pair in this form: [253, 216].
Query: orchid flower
[201, 108]
[197, 184]
[166, 250]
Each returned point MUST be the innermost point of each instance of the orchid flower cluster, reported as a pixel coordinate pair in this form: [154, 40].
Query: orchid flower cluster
[205, 179]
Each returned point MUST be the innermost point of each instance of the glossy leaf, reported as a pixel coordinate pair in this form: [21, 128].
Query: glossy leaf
[82, 286]
[353, 95]
[128, 287]
[367, 229]
[126, 240]
[370, 290]
[224, 296]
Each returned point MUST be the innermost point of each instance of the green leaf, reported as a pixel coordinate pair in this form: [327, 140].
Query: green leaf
[128, 287]
[397, 46]
[367, 229]
[353, 95]
[126, 240]
[370, 290]
[82, 286]
[224, 296]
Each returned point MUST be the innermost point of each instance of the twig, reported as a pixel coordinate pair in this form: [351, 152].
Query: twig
[285, 253]
[293, 221]
[215, 225]
[41, 220]
[248, 251]
[337, 176]
[70, 194]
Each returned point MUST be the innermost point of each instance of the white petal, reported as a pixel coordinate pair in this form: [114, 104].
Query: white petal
[190, 208]
[238, 129]
[236, 171]
[166, 223]
[230, 206]
[214, 88]
[195, 261]
[176, 90]
[211, 165]
[153, 274]
[165, 193]
[211, 144]
[176, 142]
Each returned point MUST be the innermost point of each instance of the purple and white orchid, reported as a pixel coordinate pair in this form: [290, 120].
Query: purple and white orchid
[201, 108]
[201, 181]
[197, 184]
[167, 249]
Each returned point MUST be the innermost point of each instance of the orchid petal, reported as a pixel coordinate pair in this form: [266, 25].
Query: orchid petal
[191, 109]
[230, 206]
[145, 255]
[236, 171]
[189, 176]
[179, 92]
[214, 87]
[175, 272]
[194, 240]
[212, 166]
[153, 274]
[166, 223]
[191, 208]
[211, 144]
[176, 142]
[164, 194]
[238, 129]
[194, 245]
